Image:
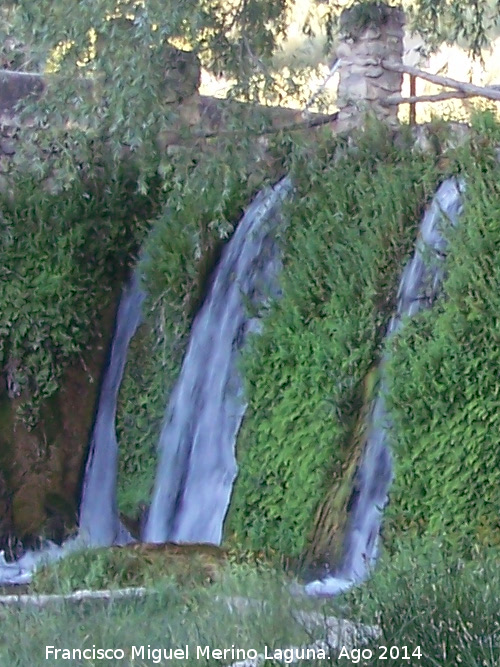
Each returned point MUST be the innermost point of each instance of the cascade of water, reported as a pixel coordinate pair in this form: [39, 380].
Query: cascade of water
[21, 570]
[197, 467]
[197, 462]
[197, 470]
[418, 289]
[99, 522]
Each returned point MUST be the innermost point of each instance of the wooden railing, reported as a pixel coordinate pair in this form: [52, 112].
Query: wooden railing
[460, 89]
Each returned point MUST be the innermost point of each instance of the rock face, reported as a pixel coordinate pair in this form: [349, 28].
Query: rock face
[182, 75]
[17, 86]
[40, 469]
[364, 84]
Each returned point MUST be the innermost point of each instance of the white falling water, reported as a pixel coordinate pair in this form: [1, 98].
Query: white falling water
[99, 522]
[197, 467]
[197, 464]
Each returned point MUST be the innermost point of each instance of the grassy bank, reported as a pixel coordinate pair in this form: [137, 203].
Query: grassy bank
[444, 383]
[440, 607]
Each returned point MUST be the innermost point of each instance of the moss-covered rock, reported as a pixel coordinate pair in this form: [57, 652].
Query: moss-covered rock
[63, 260]
[140, 565]
[309, 381]
[42, 466]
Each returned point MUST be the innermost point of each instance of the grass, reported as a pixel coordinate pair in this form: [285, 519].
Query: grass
[173, 617]
[146, 565]
[422, 597]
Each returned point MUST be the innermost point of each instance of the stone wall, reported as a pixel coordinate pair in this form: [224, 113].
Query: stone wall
[180, 91]
[364, 84]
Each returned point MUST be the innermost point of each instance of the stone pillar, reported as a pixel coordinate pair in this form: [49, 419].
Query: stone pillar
[366, 40]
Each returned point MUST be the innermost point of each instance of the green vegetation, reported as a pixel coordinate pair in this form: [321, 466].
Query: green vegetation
[423, 597]
[143, 565]
[352, 227]
[310, 377]
[361, 15]
[445, 389]
[60, 257]
[310, 374]
[172, 617]
[64, 254]
[119, 567]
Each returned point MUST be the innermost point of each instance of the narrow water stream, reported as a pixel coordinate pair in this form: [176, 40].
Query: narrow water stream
[99, 522]
[418, 289]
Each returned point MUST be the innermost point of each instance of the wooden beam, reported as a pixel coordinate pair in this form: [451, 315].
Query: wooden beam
[468, 88]
[413, 102]
[438, 97]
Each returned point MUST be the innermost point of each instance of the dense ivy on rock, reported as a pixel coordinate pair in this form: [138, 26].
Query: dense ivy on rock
[352, 229]
[445, 386]
[352, 226]
[60, 257]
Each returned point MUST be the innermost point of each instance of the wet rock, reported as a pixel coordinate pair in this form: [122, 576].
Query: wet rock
[27, 508]
[41, 469]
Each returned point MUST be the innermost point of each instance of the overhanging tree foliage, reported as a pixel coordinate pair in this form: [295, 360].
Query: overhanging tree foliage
[122, 44]
[124, 50]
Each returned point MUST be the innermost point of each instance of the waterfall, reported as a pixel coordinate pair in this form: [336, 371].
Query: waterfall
[99, 523]
[418, 289]
[197, 467]
[196, 447]
[197, 464]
